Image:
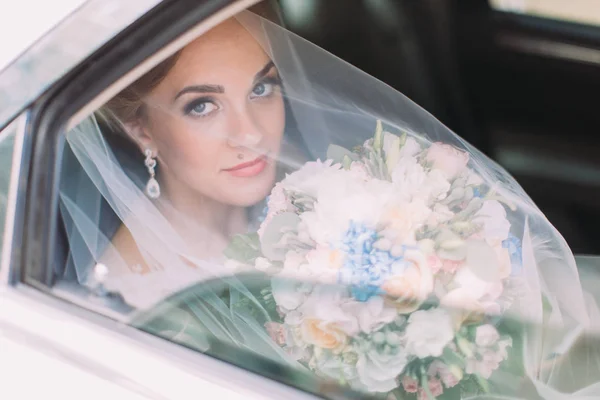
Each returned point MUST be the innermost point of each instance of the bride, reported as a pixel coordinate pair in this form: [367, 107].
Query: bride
[184, 160]
[210, 133]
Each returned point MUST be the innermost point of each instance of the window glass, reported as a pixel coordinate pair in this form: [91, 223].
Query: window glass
[7, 140]
[580, 11]
[255, 198]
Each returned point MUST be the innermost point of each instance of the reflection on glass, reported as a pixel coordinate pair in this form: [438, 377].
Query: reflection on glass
[291, 207]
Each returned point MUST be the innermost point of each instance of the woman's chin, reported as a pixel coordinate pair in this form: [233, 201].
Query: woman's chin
[247, 192]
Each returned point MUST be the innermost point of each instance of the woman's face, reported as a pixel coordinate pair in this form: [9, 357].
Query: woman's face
[216, 120]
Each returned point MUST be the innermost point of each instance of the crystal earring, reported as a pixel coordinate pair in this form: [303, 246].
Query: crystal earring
[152, 187]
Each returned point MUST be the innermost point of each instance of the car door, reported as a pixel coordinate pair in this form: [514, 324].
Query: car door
[61, 340]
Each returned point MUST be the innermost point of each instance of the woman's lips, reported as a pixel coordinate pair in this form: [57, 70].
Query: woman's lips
[248, 169]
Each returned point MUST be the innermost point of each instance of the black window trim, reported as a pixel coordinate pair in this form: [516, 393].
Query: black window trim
[15, 208]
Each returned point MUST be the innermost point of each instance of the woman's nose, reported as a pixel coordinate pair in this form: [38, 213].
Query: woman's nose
[245, 131]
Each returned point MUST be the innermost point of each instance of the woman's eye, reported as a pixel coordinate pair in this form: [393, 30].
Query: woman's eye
[262, 89]
[201, 108]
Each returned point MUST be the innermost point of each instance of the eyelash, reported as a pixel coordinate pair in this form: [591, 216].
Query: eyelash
[189, 108]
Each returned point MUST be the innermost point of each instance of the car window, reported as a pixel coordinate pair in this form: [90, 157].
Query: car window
[7, 142]
[578, 11]
[195, 205]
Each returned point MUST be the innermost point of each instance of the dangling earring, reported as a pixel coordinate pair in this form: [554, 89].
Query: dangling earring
[152, 187]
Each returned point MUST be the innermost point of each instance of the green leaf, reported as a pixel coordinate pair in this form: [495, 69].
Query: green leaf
[280, 225]
[243, 248]
[346, 162]
[452, 393]
[483, 383]
[453, 358]
[378, 138]
[338, 153]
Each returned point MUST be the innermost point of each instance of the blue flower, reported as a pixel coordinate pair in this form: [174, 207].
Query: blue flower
[365, 268]
[514, 247]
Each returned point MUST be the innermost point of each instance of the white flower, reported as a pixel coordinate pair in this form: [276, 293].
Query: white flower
[334, 367]
[323, 264]
[411, 287]
[474, 179]
[378, 371]
[371, 314]
[278, 201]
[428, 332]
[447, 159]
[408, 177]
[503, 345]
[332, 307]
[435, 187]
[485, 365]
[477, 288]
[493, 217]
[341, 201]
[325, 303]
[486, 335]
[441, 213]
[262, 264]
[402, 219]
[411, 147]
[463, 304]
[394, 152]
[359, 172]
[287, 294]
[323, 334]
[312, 176]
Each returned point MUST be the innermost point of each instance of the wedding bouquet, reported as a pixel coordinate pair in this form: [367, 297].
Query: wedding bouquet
[420, 255]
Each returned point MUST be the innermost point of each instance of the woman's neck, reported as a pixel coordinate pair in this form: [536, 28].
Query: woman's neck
[198, 217]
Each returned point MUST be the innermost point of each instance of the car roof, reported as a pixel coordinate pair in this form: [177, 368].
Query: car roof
[71, 35]
[26, 21]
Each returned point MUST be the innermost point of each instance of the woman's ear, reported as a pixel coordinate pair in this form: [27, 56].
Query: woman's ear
[139, 134]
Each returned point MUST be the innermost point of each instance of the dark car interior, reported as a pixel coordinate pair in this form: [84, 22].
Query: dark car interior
[519, 85]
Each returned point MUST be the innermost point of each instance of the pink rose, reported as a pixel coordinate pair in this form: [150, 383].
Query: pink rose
[410, 384]
[435, 387]
[436, 368]
[450, 267]
[450, 376]
[434, 263]
[447, 159]
[449, 379]
[490, 361]
[502, 345]
[486, 335]
[277, 332]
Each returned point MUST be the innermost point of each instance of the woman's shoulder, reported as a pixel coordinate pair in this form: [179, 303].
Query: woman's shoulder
[123, 255]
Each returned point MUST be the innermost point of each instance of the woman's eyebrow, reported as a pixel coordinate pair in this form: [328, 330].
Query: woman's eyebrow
[200, 89]
[265, 70]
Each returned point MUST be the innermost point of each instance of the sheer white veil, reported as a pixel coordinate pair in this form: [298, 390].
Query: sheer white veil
[328, 102]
